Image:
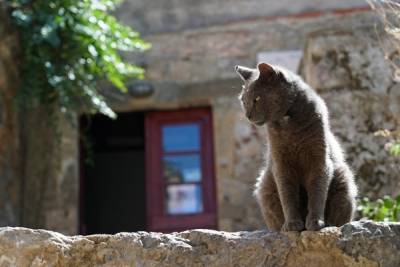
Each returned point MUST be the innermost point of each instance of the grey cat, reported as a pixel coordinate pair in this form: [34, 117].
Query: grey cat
[306, 183]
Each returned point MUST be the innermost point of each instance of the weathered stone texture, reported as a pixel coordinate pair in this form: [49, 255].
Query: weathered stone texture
[343, 61]
[167, 15]
[62, 198]
[9, 146]
[195, 46]
[357, 244]
[209, 54]
[239, 153]
[349, 70]
[49, 178]
[38, 160]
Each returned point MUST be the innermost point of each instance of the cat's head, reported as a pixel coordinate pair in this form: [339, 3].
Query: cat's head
[265, 93]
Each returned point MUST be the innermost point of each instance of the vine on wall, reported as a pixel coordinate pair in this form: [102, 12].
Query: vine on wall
[67, 47]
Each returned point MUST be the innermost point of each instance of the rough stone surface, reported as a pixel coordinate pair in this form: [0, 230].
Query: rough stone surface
[239, 154]
[9, 146]
[174, 15]
[191, 65]
[349, 70]
[343, 60]
[357, 244]
[61, 202]
[38, 183]
[209, 54]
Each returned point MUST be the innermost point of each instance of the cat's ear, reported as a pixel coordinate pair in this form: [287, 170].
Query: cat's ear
[265, 69]
[243, 72]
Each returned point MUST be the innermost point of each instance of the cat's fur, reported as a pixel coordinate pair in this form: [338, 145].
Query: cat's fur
[306, 183]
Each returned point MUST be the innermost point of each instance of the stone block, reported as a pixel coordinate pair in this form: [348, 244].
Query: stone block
[363, 244]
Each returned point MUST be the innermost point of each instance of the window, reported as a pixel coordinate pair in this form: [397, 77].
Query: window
[180, 185]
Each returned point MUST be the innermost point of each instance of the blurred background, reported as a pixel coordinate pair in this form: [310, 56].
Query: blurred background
[180, 153]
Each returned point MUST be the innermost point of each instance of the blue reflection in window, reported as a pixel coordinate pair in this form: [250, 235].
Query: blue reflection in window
[180, 169]
[184, 199]
[181, 137]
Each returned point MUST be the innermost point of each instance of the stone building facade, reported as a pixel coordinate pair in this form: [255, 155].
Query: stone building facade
[196, 44]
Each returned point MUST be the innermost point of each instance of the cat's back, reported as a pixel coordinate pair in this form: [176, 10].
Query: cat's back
[307, 106]
[301, 135]
[306, 118]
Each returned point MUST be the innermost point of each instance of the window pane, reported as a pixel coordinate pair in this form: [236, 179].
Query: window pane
[184, 199]
[180, 169]
[181, 137]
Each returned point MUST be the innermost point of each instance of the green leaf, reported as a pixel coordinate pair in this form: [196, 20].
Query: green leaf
[21, 18]
[395, 149]
[49, 33]
[388, 202]
[92, 50]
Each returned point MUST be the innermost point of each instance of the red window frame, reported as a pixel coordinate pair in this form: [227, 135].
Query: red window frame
[157, 219]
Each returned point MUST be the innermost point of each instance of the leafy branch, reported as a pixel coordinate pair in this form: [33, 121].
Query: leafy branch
[67, 47]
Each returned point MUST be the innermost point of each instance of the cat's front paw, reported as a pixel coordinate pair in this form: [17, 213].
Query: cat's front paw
[295, 225]
[314, 224]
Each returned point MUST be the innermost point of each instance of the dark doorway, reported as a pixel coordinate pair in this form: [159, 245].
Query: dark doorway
[113, 174]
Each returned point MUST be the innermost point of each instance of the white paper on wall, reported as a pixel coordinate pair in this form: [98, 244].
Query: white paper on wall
[289, 59]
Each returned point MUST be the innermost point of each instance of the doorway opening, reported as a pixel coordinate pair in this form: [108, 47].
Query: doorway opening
[112, 193]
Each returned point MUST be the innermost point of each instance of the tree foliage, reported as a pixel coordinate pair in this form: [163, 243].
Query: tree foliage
[67, 47]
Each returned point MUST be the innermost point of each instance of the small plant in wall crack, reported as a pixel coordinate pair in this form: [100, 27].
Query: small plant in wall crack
[385, 209]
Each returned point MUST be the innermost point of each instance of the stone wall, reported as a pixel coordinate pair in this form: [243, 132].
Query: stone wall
[160, 16]
[191, 65]
[195, 68]
[9, 146]
[61, 197]
[209, 54]
[363, 244]
[38, 153]
[349, 70]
